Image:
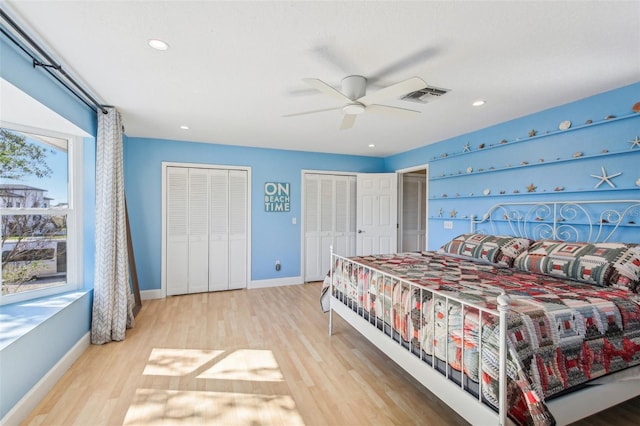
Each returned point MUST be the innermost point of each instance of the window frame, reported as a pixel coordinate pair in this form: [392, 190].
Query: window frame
[74, 213]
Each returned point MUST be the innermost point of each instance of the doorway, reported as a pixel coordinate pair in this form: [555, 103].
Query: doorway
[413, 199]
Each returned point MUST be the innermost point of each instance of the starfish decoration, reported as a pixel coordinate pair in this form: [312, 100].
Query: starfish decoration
[531, 188]
[532, 133]
[605, 178]
[453, 213]
[466, 148]
[635, 142]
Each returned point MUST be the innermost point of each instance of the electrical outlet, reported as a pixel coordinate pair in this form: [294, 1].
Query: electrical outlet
[448, 224]
[277, 265]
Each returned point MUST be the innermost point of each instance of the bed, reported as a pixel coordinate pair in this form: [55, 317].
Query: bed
[532, 317]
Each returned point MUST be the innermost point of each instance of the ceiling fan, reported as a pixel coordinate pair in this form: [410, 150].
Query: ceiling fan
[356, 101]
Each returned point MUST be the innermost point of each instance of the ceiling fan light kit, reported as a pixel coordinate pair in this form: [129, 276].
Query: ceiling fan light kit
[357, 101]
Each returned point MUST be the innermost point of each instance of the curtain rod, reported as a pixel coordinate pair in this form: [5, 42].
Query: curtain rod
[51, 64]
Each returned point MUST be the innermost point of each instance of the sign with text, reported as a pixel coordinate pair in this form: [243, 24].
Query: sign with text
[276, 197]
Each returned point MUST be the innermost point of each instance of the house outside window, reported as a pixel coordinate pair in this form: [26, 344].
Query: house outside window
[40, 211]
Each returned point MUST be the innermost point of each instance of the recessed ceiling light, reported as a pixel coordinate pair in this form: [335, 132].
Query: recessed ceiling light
[158, 44]
[371, 145]
[183, 127]
[479, 102]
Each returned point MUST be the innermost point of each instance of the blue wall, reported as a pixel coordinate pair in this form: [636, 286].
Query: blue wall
[273, 234]
[549, 157]
[45, 332]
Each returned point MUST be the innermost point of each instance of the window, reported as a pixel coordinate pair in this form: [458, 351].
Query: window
[40, 199]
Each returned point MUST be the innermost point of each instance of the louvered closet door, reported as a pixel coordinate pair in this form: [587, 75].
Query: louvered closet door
[207, 216]
[238, 220]
[219, 230]
[312, 228]
[177, 228]
[198, 230]
[345, 216]
[327, 221]
[330, 219]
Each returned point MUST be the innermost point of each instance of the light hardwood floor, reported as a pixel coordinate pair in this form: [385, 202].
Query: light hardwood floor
[247, 357]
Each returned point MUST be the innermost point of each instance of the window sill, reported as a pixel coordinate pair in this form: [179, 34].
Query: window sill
[18, 319]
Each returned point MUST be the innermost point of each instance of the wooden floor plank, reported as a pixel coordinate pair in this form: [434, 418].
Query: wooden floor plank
[247, 357]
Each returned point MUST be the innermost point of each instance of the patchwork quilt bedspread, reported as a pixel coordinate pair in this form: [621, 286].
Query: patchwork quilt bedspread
[561, 333]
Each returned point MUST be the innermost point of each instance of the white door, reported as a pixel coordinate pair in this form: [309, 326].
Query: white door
[312, 255]
[198, 230]
[329, 219]
[238, 229]
[177, 230]
[207, 226]
[219, 230]
[377, 212]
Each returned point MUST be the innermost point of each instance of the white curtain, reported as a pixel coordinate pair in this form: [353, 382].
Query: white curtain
[112, 296]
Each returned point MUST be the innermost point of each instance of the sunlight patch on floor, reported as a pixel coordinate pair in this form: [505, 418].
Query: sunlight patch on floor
[197, 393]
[245, 364]
[177, 362]
[151, 406]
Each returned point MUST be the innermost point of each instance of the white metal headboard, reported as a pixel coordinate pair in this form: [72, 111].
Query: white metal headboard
[588, 221]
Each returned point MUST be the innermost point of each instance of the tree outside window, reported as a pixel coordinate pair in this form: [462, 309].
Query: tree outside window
[34, 208]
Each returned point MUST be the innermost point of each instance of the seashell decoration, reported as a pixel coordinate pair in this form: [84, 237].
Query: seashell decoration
[577, 154]
[636, 107]
[559, 188]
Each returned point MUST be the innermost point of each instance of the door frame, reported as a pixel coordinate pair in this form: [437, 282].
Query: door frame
[165, 164]
[401, 172]
[303, 173]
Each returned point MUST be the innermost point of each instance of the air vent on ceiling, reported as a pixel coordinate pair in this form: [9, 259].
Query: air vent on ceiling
[425, 95]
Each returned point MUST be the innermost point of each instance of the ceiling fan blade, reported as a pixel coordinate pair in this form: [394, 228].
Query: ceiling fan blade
[325, 88]
[402, 64]
[312, 112]
[348, 121]
[394, 91]
[336, 57]
[391, 111]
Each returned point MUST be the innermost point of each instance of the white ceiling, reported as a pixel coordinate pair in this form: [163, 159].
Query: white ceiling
[234, 68]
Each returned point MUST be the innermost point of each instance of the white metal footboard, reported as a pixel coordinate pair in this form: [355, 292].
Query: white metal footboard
[424, 367]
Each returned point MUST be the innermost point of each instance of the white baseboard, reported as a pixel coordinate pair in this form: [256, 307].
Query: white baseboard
[28, 402]
[159, 293]
[151, 294]
[275, 282]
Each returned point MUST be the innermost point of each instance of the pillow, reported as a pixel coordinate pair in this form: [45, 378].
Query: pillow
[603, 264]
[627, 270]
[501, 250]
